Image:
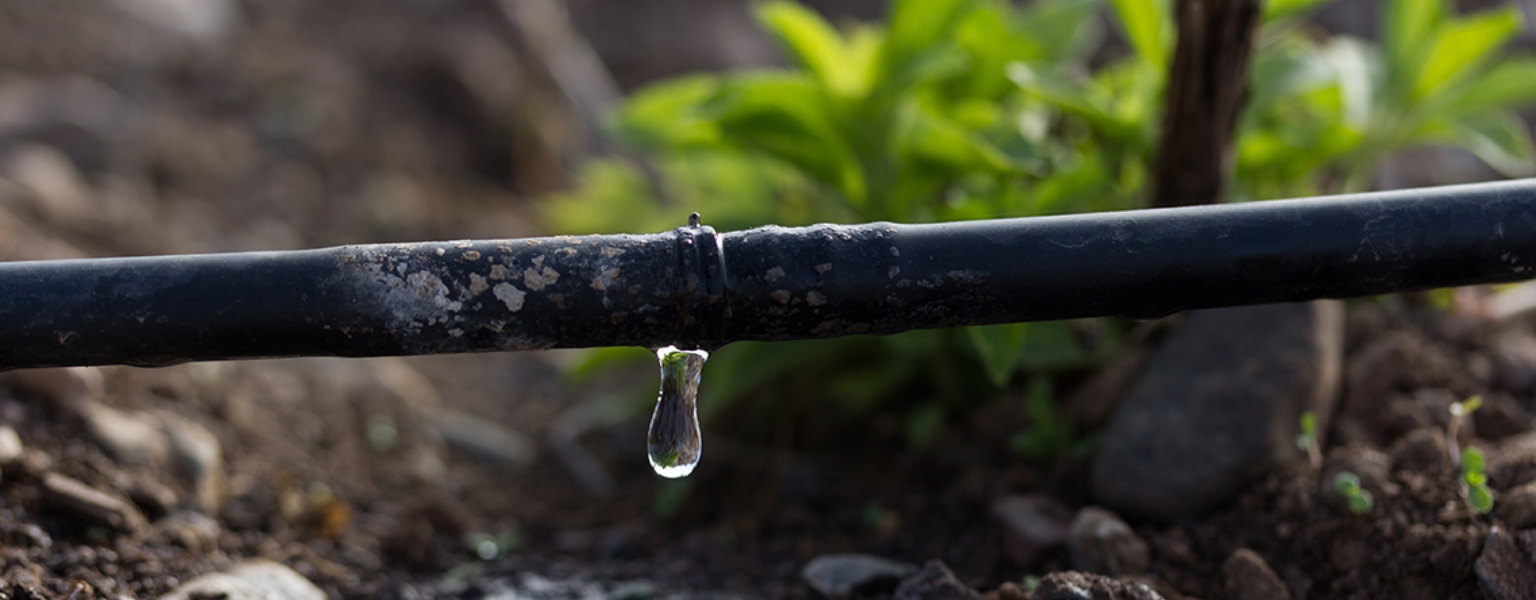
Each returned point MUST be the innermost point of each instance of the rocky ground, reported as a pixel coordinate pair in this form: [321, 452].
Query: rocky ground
[131, 129]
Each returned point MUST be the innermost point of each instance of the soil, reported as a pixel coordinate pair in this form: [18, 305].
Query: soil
[314, 123]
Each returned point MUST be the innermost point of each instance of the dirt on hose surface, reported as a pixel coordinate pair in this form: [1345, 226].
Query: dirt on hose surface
[273, 124]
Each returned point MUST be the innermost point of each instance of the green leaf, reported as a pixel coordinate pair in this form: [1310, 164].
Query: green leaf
[1464, 43]
[924, 134]
[786, 116]
[666, 114]
[1501, 139]
[817, 47]
[925, 423]
[1346, 483]
[1148, 24]
[998, 346]
[1480, 498]
[917, 26]
[1072, 99]
[1472, 461]
[1062, 29]
[1360, 502]
[1356, 68]
[1048, 433]
[1408, 27]
[1308, 423]
[1509, 84]
[1280, 9]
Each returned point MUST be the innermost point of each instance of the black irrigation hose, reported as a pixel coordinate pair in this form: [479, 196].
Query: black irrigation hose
[693, 287]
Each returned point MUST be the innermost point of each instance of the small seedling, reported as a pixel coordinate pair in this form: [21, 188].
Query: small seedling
[1306, 441]
[1359, 498]
[1459, 412]
[1474, 482]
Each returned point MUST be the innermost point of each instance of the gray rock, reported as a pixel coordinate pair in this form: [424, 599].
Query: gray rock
[71, 496]
[1248, 577]
[130, 438]
[250, 580]
[11, 449]
[1506, 572]
[1099, 542]
[1218, 406]
[1517, 507]
[198, 457]
[1072, 585]
[166, 441]
[934, 582]
[1032, 524]
[838, 576]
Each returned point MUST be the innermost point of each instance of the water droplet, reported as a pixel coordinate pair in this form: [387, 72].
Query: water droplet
[673, 443]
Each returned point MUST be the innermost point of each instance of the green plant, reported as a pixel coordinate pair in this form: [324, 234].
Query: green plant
[1325, 113]
[1474, 482]
[1049, 433]
[1359, 498]
[967, 109]
[1306, 441]
[1460, 411]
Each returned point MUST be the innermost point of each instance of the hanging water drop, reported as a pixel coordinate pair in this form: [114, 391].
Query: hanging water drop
[673, 443]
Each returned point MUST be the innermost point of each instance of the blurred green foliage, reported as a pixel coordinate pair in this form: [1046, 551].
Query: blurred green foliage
[971, 109]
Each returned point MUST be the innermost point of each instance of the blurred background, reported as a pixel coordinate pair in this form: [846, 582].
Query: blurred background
[131, 127]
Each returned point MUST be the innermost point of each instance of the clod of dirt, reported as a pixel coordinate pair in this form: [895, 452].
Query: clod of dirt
[1032, 524]
[1248, 577]
[1513, 462]
[1372, 466]
[1398, 361]
[1428, 407]
[71, 496]
[837, 576]
[1422, 451]
[251, 580]
[1072, 585]
[1506, 570]
[934, 582]
[1500, 417]
[1217, 406]
[1517, 507]
[1100, 542]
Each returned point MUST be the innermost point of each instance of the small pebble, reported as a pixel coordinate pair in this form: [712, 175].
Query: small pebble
[934, 582]
[1099, 542]
[838, 576]
[75, 497]
[1248, 577]
[1032, 524]
[1072, 585]
[251, 580]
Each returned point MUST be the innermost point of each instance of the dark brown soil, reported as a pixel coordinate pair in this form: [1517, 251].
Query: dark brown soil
[315, 123]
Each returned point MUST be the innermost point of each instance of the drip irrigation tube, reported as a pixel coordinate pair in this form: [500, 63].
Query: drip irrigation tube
[693, 287]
